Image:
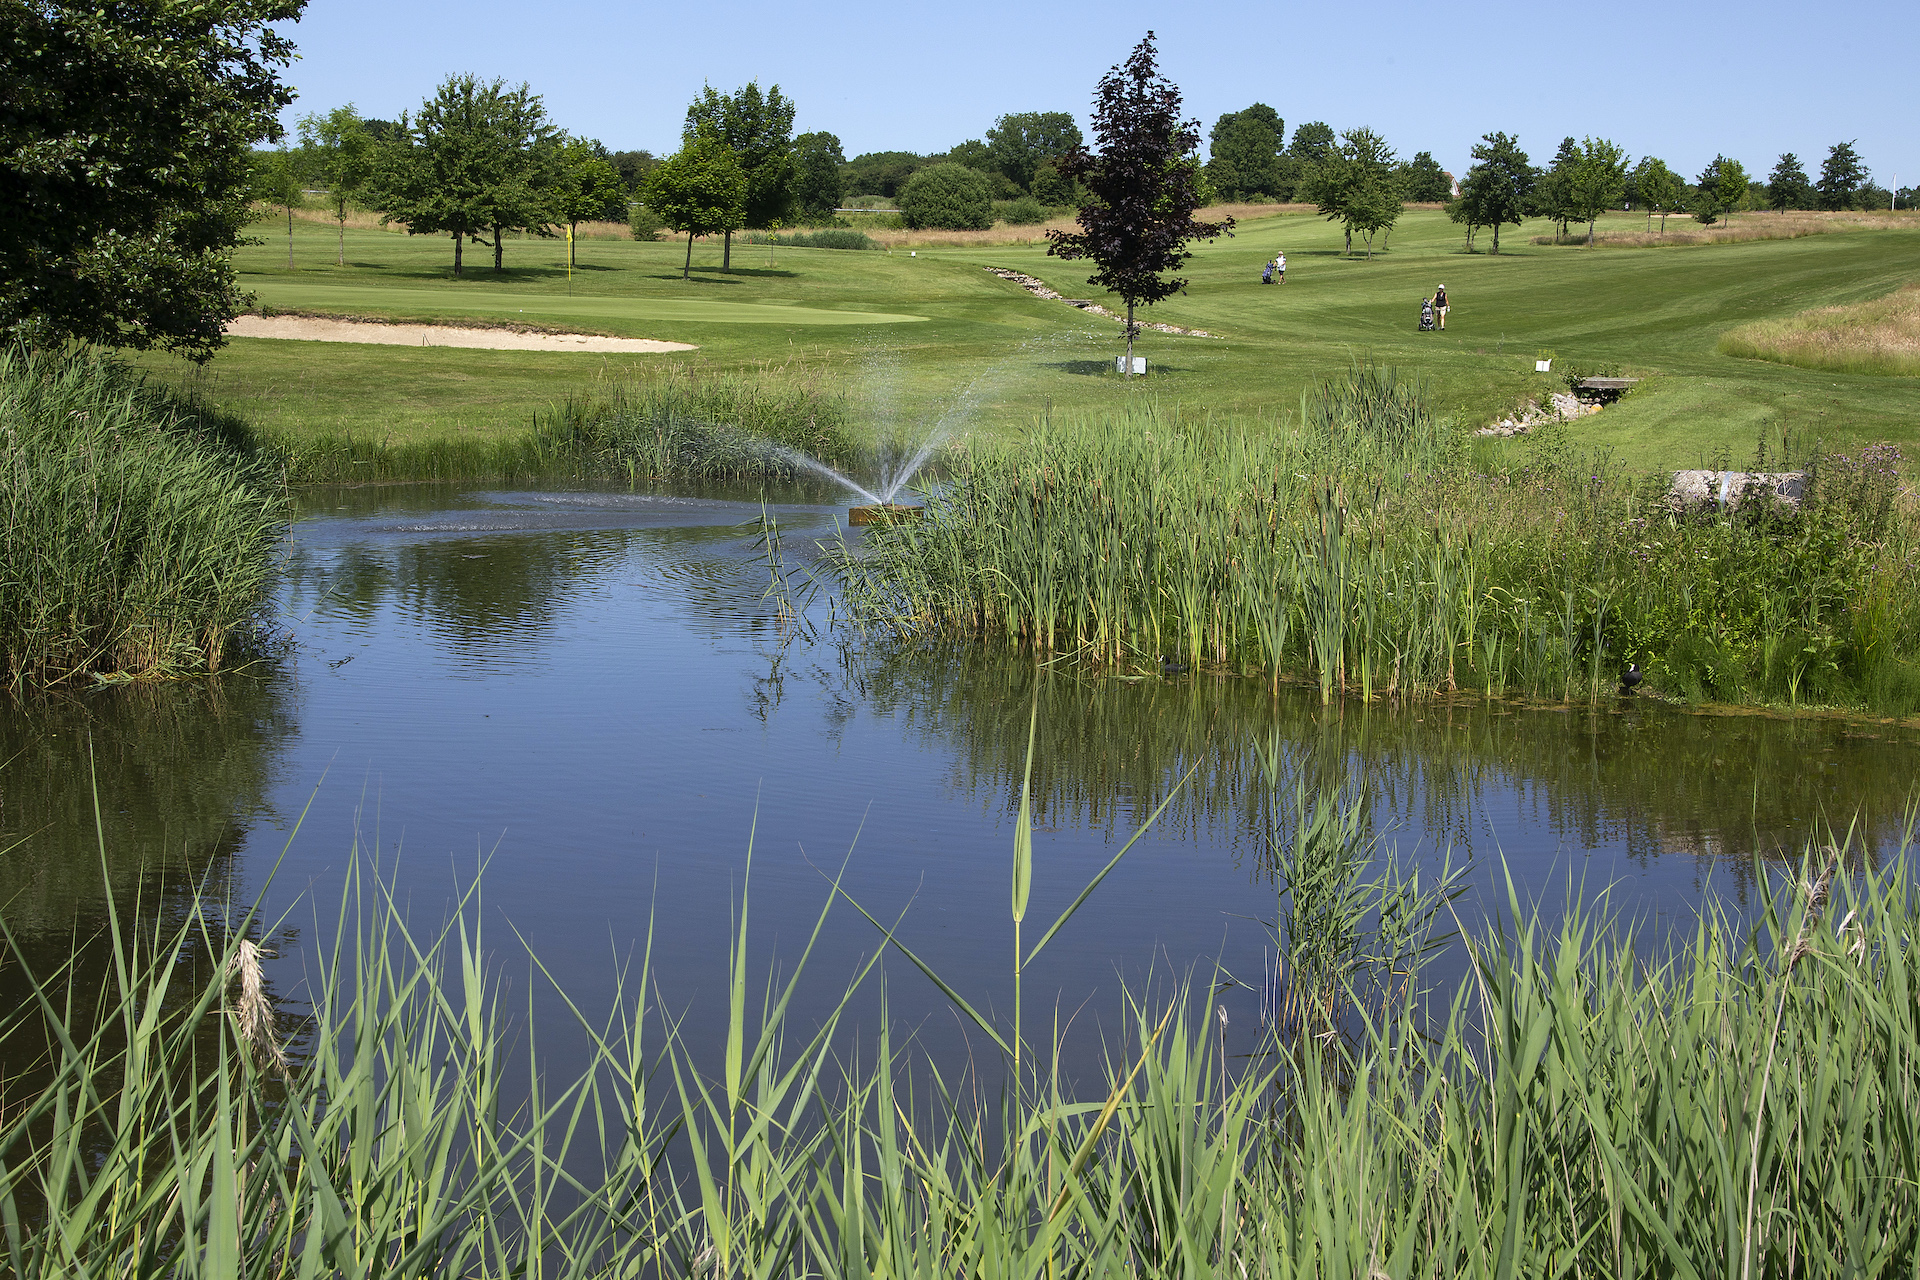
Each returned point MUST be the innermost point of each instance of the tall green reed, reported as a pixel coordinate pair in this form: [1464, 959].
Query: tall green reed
[1586, 1099]
[133, 540]
[1356, 547]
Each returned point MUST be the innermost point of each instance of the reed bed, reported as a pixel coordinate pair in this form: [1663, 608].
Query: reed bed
[1881, 336]
[1586, 1100]
[134, 540]
[683, 422]
[1355, 546]
[1755, 225]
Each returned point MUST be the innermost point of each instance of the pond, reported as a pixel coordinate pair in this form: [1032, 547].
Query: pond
[586, 699]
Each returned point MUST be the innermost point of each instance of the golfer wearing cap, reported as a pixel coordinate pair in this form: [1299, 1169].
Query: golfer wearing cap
[1440, 304]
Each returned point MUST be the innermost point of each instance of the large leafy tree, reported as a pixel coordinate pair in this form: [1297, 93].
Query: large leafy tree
[701, 190]
[586, 188]
[338, 153]
[1021, 142]
[477, 157]
[1720, 189]
[1142, 188]
[632, 166]
[817, 160]
[1552, 194]
[759, 129]
[1356, 186]
[881, 173]
[1598, 180]
[1498, 184]
[125, 140]
[1246, 154]
[1423, 181]
[1842, 175]
[1788, 186]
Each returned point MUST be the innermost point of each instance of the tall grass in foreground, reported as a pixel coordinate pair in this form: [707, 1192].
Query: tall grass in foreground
[1881, 336]
[1356, 547]
[1741, 1104]
[132, 540]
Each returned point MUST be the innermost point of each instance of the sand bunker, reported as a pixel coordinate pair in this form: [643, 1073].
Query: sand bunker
[313, 329]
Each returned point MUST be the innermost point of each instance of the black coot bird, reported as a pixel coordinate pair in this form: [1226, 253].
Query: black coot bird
[1168, 667]
[1630, 677]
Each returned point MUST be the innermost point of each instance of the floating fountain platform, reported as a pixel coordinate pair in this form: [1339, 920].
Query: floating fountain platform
[883, 513]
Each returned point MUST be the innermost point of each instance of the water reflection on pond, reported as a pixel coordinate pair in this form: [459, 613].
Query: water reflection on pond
[590, 694]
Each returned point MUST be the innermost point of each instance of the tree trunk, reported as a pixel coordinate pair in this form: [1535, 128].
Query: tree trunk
[343, 239]
[289, 235]
[1129, 337]
[457, 238]
[1496, 238]
[1663, 222]
[572, 259]
[686, 272]
[499, 248]
[726, 253]
[1349, 242]
[1590, 222]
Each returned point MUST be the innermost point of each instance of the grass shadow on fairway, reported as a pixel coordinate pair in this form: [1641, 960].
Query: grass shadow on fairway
[1094, 368]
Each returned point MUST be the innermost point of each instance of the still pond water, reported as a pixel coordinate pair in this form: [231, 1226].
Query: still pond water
[588, 692]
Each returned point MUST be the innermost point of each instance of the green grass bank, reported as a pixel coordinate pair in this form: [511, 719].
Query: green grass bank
[913, 339]
[136, 535]
[1366, 544]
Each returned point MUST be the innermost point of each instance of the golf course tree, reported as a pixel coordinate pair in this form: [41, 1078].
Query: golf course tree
[1658, 189]
[1842, 175]
[1356, 186]
[1552, 194]
[700, 189]
[1423, 181]
[632, 166]
[337, 152]
[817, 160]
[1720, 189]
[948, 197]
[125, 165]
[277, 182]
[1313, 142]
[1598, 180]
[586, 188]
[1788, 186]
[1142, 188]
[759, 129]
[1497, 186]
[880, 173]
[1021, 142]
[1246, 157]
[478, 157]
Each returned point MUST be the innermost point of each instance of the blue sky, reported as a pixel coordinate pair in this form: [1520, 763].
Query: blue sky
[1681, 81]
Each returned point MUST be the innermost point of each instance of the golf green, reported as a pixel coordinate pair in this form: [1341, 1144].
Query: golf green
[503, 304]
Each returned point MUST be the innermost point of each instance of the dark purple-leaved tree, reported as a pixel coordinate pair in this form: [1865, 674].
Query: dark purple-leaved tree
[1143, 186]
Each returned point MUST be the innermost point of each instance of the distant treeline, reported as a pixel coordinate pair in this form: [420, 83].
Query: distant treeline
[479, 160]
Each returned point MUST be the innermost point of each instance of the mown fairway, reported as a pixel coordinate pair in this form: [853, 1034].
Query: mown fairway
[921, 336]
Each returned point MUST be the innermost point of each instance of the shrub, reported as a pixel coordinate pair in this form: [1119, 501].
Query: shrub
[646, 226]
[131, 541]
[947, 197]
[1024, 212]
